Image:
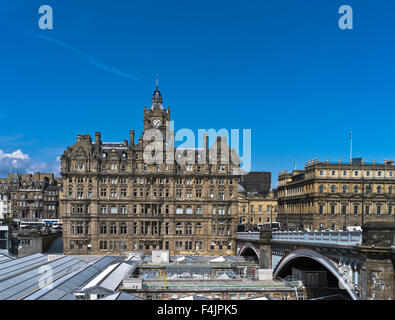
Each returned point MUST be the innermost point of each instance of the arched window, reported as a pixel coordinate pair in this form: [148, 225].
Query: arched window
[188, 228]
[123, 209]
[113, 228]
[188, 210]
[198, 210]
[198, 228]
[179, 210]
[113, 209]
[123, 228]
[103, 227]
[178, 228]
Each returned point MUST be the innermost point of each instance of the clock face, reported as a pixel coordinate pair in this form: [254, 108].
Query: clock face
[156, 123]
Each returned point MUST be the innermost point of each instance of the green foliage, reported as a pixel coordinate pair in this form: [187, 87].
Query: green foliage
[9, 221]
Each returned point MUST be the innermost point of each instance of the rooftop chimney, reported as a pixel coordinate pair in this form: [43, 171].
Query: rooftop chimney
[205, 137]
[131, 136]
[97, 138]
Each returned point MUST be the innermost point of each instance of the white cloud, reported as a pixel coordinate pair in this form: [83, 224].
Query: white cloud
[18, 154]
[20, 162]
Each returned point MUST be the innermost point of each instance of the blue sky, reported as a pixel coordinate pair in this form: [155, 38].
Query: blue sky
[281, 68]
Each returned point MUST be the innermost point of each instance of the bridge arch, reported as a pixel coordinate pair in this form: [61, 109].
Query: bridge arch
[330, 265]
[247, 249]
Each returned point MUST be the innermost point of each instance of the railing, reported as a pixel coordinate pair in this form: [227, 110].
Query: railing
[350, 238]
[248, 235]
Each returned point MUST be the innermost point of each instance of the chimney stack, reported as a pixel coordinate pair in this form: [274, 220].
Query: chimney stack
[97, 138]
[205, 137]
[131, 135]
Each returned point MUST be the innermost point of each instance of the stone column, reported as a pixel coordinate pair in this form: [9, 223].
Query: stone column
[377, 270]
[265, 249]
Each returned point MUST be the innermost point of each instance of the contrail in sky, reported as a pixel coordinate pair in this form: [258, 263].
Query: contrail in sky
[87, 56]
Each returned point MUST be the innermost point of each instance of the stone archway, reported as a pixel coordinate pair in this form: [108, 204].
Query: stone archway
[249, 250]
[331, 266]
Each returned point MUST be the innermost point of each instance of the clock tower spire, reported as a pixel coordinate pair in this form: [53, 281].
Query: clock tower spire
[156, 116]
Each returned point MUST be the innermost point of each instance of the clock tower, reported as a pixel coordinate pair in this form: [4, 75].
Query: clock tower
[157, 116]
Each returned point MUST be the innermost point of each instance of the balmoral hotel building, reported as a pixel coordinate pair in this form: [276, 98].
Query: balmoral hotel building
[336, 195]
[114, 200]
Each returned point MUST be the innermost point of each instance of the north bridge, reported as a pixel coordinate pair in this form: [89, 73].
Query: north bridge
[359, 263]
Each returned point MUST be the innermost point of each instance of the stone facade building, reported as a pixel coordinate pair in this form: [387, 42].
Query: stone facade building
[335, 195]
[256, 208]
[34, 197]
[124, 196]
[5, 205]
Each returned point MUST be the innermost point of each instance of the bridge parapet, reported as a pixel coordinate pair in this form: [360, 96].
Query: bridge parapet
[347, 238]
[248, 235]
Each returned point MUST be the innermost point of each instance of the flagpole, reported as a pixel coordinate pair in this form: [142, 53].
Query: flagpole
[351, 147]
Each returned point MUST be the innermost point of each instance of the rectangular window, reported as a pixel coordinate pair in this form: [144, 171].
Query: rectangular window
[123, 192]
[103, 245]
[113, 192]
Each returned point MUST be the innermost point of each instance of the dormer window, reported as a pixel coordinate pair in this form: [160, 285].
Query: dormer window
[80, 166]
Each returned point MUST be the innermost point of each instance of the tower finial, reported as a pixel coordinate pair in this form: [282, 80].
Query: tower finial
[157, 81]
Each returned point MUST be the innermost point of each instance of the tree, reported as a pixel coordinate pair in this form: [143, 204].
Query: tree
[9, 221]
